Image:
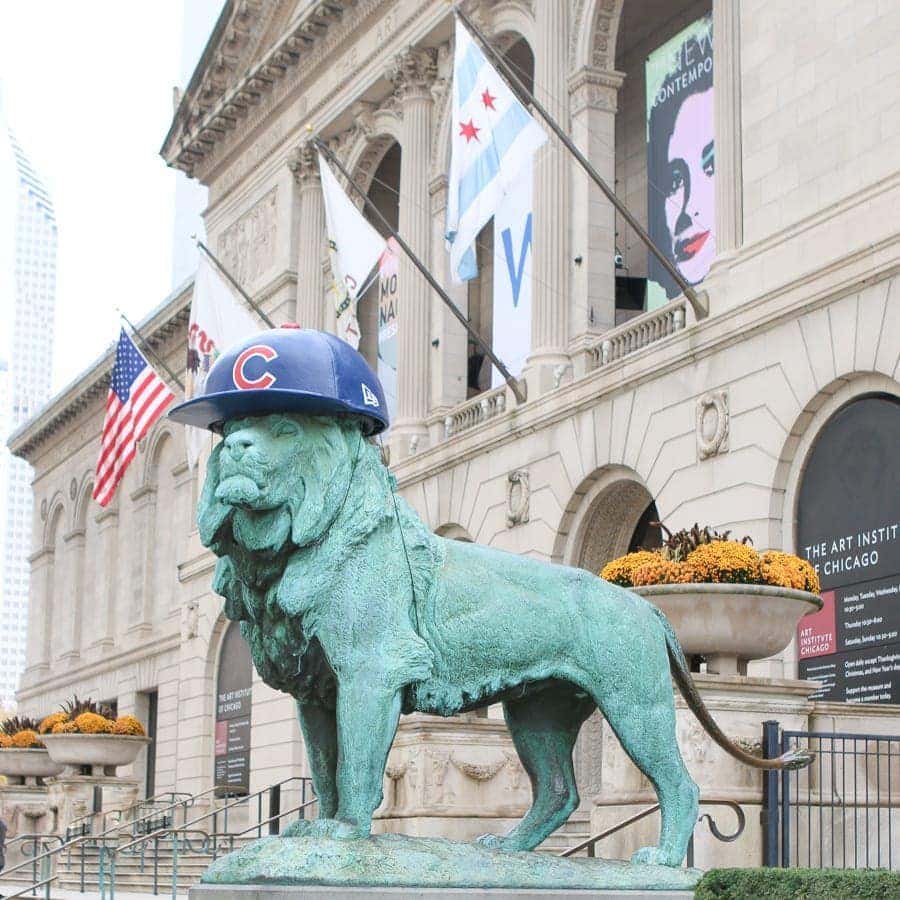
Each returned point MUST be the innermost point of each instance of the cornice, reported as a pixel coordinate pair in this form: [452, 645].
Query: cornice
[220, 96]
[156, 327]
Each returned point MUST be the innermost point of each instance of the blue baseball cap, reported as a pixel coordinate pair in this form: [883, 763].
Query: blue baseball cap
[287, 369]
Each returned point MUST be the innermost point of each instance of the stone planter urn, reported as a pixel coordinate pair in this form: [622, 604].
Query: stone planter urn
[25, 766]
[730, 624]
[102, 752]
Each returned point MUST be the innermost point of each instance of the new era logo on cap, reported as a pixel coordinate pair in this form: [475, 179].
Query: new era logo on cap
[369, 399]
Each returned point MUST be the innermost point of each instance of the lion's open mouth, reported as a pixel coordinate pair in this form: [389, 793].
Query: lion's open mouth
[238, 490]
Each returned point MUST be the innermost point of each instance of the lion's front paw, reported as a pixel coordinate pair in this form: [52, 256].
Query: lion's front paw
[491, 841]
[654, 856]
[325, 828]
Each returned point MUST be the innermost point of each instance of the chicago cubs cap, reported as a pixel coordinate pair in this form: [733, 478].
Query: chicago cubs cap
[287, 369]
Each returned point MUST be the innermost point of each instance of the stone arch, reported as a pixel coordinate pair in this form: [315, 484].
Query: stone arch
[83, 500]
[797, 446]
[155, 444]
[371, 147]
[600, 520]
[56, 511]
[593, 35]
[454, 532]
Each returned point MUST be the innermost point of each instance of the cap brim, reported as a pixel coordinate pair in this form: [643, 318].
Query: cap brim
[212, 410]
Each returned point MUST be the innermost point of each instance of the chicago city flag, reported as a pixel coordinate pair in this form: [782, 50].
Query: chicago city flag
[217, 321]
[354, 247]
[137, 398]
[494, 139]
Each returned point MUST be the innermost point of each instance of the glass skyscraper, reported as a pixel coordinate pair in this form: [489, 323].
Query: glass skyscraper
[27, 301]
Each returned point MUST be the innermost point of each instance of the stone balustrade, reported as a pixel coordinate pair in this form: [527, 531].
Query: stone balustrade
[475, 411]
[640, 332]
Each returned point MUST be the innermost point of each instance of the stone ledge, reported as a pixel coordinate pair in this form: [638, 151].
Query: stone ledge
[276, 892]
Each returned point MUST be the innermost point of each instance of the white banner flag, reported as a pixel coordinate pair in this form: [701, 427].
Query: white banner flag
[354, 247]
[388, 303]
[513, 261]
[217, 321]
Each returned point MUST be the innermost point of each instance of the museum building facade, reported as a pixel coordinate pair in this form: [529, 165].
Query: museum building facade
[771, 413]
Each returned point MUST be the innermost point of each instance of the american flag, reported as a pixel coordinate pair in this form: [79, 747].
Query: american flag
[137, 398]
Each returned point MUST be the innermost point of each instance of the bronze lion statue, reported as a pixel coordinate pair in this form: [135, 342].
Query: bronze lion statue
[353, 607]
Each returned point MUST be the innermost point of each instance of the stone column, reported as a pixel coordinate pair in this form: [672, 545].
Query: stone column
[107, 537]
[414, 73]
[727, 102]
[552, 257]
[38, 642]
[71, 642]
[310, 281]
[593, 95]
[140, 615]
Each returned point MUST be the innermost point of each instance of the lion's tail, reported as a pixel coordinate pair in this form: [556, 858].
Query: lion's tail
[793, 759]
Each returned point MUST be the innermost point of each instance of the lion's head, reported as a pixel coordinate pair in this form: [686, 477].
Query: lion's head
[276, 479]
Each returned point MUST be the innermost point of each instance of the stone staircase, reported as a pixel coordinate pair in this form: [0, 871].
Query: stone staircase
[576, 830]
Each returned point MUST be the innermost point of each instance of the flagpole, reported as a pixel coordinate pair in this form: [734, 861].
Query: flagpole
[146, 345]
[250, 302]
[699, 302]
[514, 385]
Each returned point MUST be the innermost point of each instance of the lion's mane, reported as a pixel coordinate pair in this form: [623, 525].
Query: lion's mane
[276, 584]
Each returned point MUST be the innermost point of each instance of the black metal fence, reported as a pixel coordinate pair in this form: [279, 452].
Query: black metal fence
[843, 811]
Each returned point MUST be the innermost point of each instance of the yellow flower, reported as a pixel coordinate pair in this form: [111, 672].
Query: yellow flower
[26, 740]
[789, 571]
[128, 725]
[663, 571]
[621, 571]
[726, 562]
[5, 741]
[92, 723]
[65, 728]
[48, 722]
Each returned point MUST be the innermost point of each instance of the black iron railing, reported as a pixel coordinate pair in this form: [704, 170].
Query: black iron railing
[843, 811]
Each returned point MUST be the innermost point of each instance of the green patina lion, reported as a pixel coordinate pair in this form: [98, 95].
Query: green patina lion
[313, 553]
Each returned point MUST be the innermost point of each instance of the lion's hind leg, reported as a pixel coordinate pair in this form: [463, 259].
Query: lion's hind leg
[544, 727]
[645, 727]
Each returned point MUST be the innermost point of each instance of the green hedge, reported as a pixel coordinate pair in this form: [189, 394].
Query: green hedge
[798, 884]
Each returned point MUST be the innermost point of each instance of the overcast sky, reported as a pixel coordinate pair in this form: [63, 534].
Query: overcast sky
[88, 93]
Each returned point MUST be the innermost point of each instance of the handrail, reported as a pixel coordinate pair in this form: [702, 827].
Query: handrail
[32, 888]
[138, 803]
[590, 843]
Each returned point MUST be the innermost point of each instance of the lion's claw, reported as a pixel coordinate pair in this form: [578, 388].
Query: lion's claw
[654, 856]
[491, 841]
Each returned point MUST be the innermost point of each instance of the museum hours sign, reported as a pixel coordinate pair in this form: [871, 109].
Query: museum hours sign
[848, 527]
[234, 687]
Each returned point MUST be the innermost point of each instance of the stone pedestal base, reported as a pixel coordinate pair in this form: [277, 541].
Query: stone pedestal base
[26, 809]
[72, 796]
[276, 892]
[454, 778]
[740, 705]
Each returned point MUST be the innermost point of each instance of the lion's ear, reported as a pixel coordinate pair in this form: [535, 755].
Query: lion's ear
[211, 512]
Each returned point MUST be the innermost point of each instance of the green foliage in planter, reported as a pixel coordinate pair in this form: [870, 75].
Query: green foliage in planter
[798, 884]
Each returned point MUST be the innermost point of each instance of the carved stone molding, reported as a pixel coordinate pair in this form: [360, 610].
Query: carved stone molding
[479, 771]
[247, 246]
[712, 424]
[413, 72]
[593, 22]
[518, 497]
[304, 164]
[591, 88]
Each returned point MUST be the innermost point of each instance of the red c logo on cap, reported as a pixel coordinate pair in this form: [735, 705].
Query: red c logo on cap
[266, 380]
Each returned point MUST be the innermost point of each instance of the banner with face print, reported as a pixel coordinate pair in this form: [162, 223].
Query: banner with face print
[681, 208]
